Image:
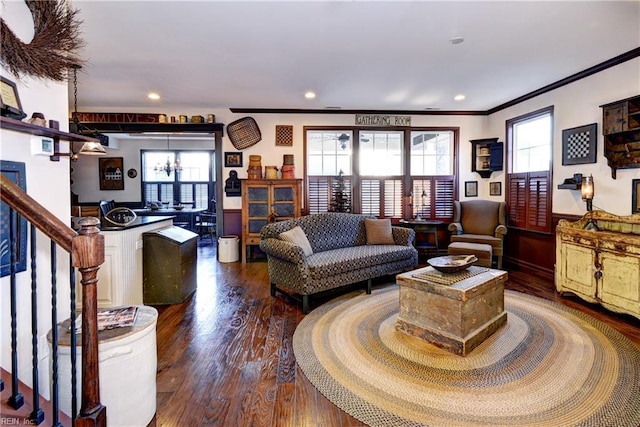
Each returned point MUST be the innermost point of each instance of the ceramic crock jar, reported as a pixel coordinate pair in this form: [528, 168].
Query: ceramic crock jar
[255, 166]
[271, 172]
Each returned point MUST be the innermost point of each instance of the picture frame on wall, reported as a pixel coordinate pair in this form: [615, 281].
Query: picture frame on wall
[471, 188]
[579, 145]
[635, 196]
[16, 172]
[10, 105]
[111, 174]
[495, 188]
[232, 159]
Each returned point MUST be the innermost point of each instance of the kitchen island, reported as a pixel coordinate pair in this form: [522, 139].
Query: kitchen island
[120, 277]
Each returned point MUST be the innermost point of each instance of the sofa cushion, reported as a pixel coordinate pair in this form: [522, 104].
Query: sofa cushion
[378, 231]
[344, 260]
[297, 237]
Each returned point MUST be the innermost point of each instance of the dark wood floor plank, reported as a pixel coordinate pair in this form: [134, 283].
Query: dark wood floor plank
[225, 356]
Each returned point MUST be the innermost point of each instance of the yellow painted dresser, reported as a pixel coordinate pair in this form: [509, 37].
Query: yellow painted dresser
[603, 265]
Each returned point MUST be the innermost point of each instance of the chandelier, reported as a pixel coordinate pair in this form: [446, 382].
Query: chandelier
[168, 167]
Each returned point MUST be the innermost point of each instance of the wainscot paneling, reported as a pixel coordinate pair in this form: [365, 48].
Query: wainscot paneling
[232, 222]
[532, 252]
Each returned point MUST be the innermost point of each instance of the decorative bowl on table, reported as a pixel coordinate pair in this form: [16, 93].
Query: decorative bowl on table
[452, 263]
[178, 207]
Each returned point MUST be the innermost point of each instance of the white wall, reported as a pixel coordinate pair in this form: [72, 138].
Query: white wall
[48, 183]
[575, 105]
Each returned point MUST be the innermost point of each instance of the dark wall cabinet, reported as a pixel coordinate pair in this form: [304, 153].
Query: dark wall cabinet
[486, 156]
[621, 130]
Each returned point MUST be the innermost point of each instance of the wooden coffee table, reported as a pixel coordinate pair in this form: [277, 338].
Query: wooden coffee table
[457, 311]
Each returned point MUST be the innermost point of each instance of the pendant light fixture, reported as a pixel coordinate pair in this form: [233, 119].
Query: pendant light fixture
[89, 148]
[167, 167]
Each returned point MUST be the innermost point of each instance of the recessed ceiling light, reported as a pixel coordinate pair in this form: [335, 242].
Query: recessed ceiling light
[459, 97]
[154, 96]
[309, 94]
[456, 40]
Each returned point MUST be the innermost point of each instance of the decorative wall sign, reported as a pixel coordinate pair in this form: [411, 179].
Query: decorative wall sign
[635, 196]
[579, 145]
[382, 120]
[118, 117]
[471, 188]
[16, 172]
[232, 159]
[111, 173]
[284, 135]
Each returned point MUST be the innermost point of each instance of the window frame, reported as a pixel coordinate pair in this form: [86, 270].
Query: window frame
[356, 179]
[535, 214]
[177, 184]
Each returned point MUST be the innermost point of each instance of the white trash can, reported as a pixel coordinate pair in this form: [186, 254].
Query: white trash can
[228, 249]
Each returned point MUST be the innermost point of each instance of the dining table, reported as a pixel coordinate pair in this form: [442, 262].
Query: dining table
[183, 217]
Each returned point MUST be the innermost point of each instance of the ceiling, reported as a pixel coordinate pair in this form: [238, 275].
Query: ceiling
[364, 55]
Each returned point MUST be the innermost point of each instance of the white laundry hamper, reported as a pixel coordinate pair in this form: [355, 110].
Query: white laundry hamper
[228, 248]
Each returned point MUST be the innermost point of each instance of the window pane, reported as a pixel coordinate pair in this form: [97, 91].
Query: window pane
[195, 166]
[431, 153]
[328, 152]
[156, 165]
[381, 153]
[532, 144]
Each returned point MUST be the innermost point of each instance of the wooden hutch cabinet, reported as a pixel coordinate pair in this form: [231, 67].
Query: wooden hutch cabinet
[621, 130]
[265, 201]
[601, 266]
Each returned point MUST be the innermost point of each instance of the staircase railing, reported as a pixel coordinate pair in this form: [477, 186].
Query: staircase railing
[86, 249]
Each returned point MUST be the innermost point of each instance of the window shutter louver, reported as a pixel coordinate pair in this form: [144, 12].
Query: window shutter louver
[538, 202]
[393, 194]
[517, 199]
[319, 194]
[444, 197]
[370, 197]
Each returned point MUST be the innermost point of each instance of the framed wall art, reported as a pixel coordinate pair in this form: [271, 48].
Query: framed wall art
[10, 104]
[635, 196]
[284, 135]
[579, 145]
[111, 173]
[495, 188]
[16, 172]
[471, 188]
[232, 159]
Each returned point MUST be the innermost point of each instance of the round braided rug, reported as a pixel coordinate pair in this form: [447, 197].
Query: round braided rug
[548, 366]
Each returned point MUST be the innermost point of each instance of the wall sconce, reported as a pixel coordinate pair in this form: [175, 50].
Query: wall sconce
[587, 189]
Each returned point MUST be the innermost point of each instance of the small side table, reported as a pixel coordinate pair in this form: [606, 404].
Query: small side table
[426, 228]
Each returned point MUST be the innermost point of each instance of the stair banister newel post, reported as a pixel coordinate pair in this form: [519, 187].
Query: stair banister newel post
[87, 256]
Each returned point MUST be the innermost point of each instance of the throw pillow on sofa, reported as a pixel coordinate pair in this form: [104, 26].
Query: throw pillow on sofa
[379, 231]
[297, 237]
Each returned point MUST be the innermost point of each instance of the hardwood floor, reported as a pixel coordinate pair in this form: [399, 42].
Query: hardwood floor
[225, 355]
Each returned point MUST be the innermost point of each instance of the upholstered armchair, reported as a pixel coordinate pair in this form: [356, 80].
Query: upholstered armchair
[480, 221]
